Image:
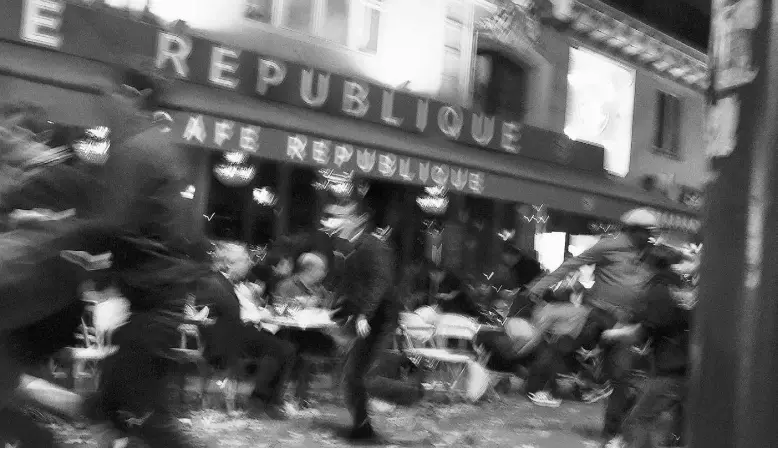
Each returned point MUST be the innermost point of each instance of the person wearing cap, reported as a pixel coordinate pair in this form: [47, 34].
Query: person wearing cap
[366, 300]
[621, 276]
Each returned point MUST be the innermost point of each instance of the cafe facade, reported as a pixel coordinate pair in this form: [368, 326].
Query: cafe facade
[261, 134]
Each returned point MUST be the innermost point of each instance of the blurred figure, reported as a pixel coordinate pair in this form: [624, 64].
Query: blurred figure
[622, 273]
[367, 300]
[305, 286]
[237, 328]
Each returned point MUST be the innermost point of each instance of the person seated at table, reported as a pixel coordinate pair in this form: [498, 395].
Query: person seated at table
[236, 329]
[277, 266]
[305, 288]
[443, 289]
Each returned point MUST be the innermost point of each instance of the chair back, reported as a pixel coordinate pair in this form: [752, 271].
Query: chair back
[107, 316]
[417, 331]
[455, 327]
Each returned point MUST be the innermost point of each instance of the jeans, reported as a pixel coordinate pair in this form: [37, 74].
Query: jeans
[656, 420]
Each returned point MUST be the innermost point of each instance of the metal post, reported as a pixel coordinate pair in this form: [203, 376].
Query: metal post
[733, 385]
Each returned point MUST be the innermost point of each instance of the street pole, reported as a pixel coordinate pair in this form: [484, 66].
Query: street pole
[733, 384]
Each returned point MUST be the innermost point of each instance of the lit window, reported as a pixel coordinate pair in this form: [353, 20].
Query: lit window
[600, 103]
[298, 15]
[335, 24]
[667, 130]
[259, 10]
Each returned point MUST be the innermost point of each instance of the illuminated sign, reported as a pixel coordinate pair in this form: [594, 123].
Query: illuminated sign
[227, 135]
[56, 25]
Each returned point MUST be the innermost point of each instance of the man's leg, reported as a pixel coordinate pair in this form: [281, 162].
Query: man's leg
[358, 361]
[658, 395]
[133, 395]
[276, 358]
[619, 361]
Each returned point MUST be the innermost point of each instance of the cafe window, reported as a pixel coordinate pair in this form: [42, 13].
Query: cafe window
[353, 23]
[667, 131]
[226, 204]
[265, 203]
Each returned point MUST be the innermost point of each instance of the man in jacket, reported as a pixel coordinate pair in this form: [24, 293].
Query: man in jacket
[367, 300]
[236, 329]
[621, 276]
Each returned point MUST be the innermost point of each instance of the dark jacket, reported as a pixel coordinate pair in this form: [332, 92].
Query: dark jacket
[667, 324]
[365, 281]
[222, 339]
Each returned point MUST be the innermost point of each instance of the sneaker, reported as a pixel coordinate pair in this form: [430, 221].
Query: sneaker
[544, 399]
[617, 441]
[598, 395]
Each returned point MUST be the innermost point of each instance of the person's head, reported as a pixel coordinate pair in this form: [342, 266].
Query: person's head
[232, 259]
[639, 226]
[313, 267]
[345, 219]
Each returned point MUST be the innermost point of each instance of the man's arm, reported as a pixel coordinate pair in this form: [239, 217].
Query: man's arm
[591, 256]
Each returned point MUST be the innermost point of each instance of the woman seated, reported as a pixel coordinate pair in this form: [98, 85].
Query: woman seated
[304, 290]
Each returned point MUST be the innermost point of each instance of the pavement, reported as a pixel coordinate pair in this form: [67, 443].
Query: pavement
[504, 420]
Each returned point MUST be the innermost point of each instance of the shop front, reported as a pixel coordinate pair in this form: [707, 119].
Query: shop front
[261, 134]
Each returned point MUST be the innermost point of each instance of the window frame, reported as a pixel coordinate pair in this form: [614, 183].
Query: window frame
[662, 116]
[465, 51]
[357, 10]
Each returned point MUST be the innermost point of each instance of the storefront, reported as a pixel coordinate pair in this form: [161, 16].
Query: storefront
[259, 131]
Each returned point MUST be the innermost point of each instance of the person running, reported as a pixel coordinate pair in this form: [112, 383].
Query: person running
[621, 276]
[367, 302]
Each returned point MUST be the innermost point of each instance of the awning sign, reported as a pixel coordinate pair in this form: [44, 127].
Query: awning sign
[228, 135]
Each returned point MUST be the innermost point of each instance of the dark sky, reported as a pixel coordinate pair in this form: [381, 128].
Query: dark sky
[687, 20]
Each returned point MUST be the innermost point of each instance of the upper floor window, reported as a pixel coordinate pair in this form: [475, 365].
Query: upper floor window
[500, 86]
[668, 124]
[352, 23]
[456, 46]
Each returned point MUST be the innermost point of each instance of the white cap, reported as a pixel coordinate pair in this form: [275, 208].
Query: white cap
[644, 218]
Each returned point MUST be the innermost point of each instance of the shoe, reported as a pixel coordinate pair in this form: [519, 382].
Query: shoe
[598, 395]
[544, 399]
[363, 432]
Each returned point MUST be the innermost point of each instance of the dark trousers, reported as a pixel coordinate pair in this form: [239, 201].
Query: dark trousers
[307, 343]
[275, 358]
[656, 420]
[359, 360]
[542, 363]
[133, 394]
[619, 363]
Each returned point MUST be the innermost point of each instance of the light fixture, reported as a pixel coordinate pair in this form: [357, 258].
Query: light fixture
[265, 197]
[235, 157]
[189, 193]
[234, 175]
[93, 148]
[433, 205]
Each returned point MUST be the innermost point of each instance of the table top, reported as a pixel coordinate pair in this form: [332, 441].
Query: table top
[302, 321]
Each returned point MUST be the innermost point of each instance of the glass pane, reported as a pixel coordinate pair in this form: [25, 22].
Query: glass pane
[453, 37]
[370, 29]
[449, 89]
[455, 10]
[265, 199]
[335, 27]
[302, 203]
[298, 15]
[259, 10]
[451, 63]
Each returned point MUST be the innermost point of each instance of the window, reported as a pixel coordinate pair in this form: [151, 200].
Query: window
[352, 23]
[298, 15]
[259, 10]
[371, 23]
[453, 40]
[335, 24]
[500, 86]
[668, 114]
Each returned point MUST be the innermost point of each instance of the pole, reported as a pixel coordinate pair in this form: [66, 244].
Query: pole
[733, 386]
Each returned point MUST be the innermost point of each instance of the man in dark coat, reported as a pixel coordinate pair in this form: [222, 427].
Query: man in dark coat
[367, 301]
[235, 333]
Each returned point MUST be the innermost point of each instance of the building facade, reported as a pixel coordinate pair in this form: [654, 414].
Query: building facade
[456, 113]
